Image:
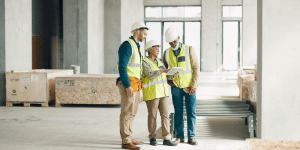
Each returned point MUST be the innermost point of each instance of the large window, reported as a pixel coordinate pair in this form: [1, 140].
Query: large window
[185, 19]
[232, 17]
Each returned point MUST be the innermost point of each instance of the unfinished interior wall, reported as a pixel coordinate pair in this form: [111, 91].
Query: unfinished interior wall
[119, 17]
[278, 69]
[96, 36]
[112, 26]
[249, 52]
[18, 42]
[130, 8]
[209, 38]
[75, 33]
[2, 53]
[15, 39]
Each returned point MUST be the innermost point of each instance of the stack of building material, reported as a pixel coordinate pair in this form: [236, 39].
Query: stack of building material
[259, 144]
[252, 87]
[243, 84]
[32, 86]
[87, 89]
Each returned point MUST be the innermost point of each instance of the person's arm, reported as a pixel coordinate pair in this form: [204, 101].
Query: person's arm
[195, 67]
[169, 77]
[124, 56]
[149, 73]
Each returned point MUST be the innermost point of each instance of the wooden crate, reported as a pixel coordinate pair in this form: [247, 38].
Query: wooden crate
[33, 86]
[87, 89]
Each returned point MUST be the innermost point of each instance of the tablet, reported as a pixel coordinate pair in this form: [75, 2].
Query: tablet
[174, 70]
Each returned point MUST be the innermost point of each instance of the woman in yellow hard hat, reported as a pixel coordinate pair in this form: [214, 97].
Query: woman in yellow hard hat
[155, 93]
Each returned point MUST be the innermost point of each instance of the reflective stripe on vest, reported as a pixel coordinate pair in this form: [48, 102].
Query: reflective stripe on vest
[156, 88]
[134, 67]
[186, 74]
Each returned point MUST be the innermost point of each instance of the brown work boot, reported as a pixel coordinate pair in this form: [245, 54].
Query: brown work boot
[135, 142]
[130, 146]
[179, 140]
[192, 141]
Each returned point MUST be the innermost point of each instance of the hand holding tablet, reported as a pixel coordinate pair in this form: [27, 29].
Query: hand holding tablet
[174, 70]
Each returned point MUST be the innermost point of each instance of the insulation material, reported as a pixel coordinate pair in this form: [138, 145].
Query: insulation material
[32, 85]
[253, 93]
[243, 82]
[87, 89]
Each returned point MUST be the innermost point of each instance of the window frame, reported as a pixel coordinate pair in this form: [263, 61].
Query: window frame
[240, 21]
[163, 20]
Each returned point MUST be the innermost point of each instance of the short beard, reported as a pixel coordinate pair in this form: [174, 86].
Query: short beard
[175, 46]
[140, 38]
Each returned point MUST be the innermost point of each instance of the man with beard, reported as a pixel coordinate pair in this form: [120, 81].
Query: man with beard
[184, 85]
[129, 83]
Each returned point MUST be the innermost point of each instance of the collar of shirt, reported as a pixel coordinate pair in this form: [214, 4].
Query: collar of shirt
[138, 45]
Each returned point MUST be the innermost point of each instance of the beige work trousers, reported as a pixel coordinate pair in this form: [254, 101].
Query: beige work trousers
[160, 104]
[129, 108]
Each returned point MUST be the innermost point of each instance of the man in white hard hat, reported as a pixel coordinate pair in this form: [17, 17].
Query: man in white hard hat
[183, 85]
[155, 93]
[130, 83]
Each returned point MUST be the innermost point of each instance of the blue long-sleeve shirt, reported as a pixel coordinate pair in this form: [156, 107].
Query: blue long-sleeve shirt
[124, 56]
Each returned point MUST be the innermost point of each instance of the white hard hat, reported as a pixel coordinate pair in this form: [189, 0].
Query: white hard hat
[138, 25]
[171, 35]
[151, 44]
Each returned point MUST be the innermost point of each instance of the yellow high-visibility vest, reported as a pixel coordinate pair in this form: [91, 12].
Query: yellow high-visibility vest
[134, 67]
[186, 75]
[156, 88]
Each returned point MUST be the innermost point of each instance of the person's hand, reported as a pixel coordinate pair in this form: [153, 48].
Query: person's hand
[175, 75]
[164, 71]
[192, 91]
[129, 91]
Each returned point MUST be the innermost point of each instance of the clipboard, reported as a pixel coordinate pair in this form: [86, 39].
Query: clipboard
[174, 70]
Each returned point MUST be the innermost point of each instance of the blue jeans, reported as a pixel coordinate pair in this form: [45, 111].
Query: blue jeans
[190, 105]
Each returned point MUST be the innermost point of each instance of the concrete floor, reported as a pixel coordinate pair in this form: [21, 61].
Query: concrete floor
[86, 128]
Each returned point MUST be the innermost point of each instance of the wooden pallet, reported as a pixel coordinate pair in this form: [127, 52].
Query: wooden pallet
[26, 104]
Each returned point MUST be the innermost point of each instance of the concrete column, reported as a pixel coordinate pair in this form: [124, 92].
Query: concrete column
[119, 17]
[2, 53]
[112, 34]
[84, 35]
[278, 69]
[75, 43]
[209, 35]
[249, 55]
[96, 36]
[15, 39]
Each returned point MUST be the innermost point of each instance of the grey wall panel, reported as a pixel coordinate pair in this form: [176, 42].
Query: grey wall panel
[112, 34]
[280, 70]
[70, 33]
[209, 35]
[2, 53]
[18, 35]
[83, 36]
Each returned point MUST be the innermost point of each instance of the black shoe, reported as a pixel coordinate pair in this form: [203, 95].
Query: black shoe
[192, 141]
[153, 142]
[169, 143]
